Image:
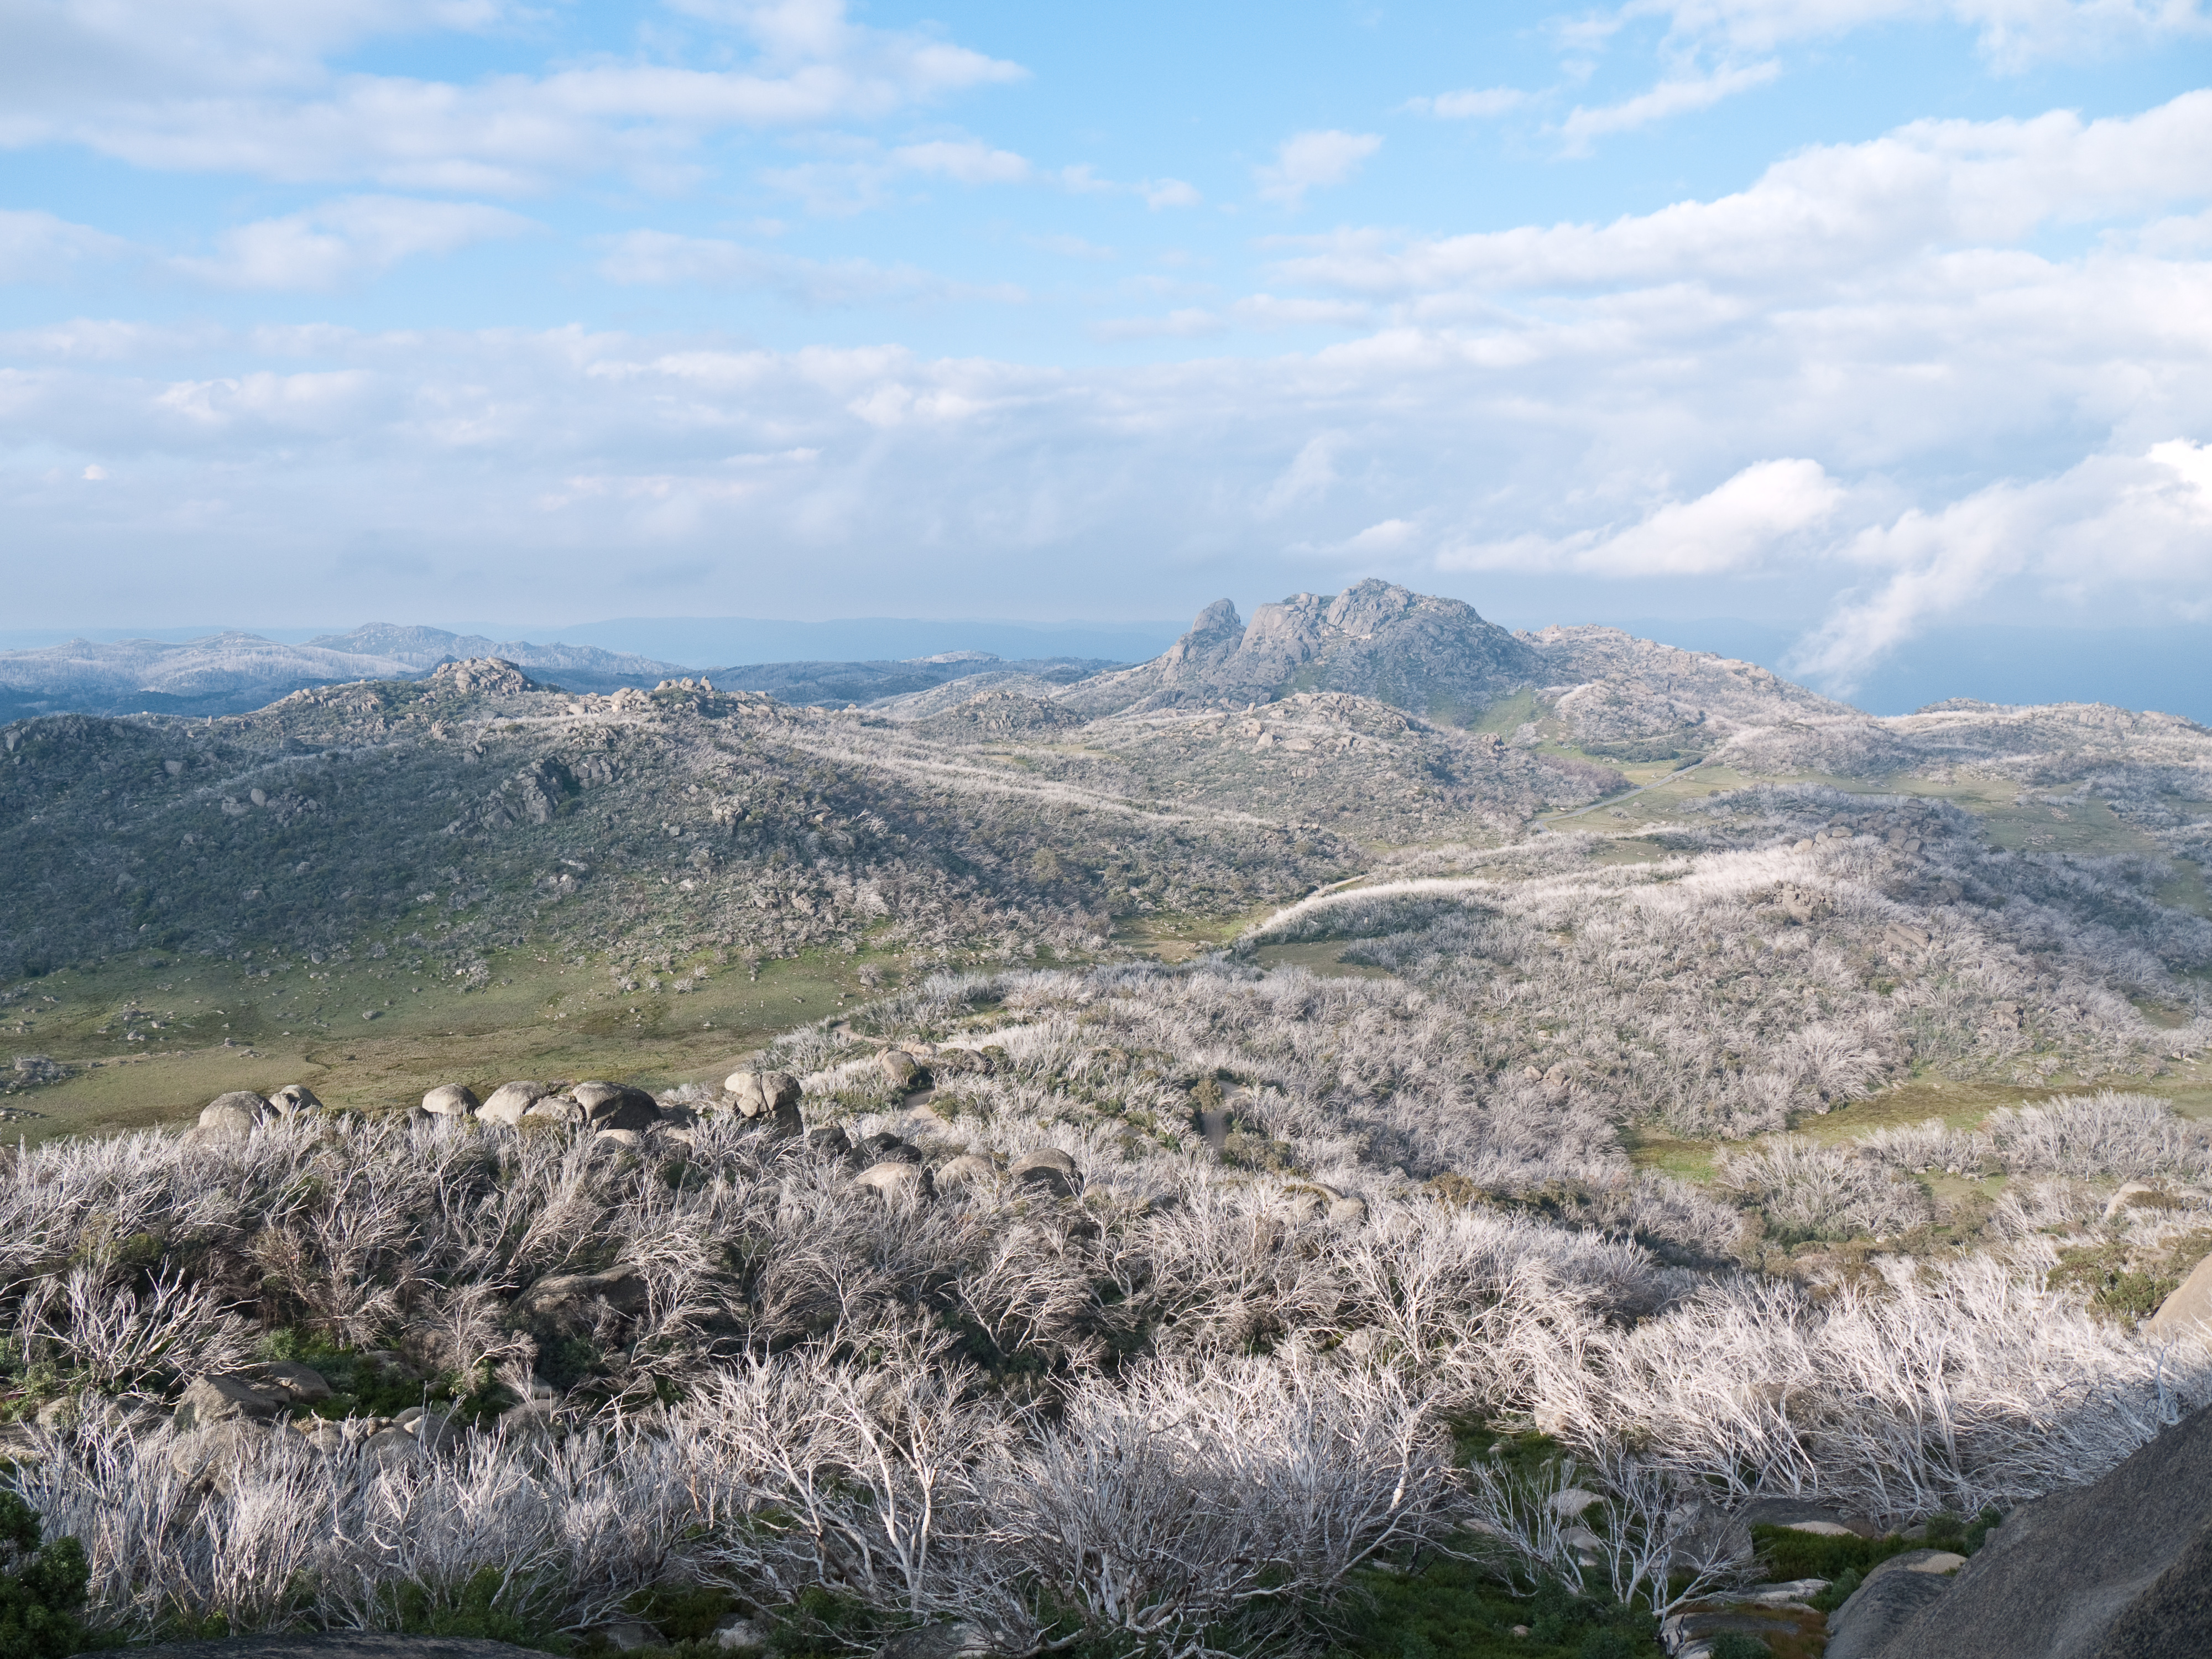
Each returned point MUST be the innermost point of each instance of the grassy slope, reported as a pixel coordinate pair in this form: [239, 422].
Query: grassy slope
[538, 1019]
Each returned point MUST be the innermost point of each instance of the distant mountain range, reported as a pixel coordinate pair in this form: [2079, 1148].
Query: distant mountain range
[232, 673]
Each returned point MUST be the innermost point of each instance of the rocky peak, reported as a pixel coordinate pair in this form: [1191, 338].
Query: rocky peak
[1429, 656]
[481, 674]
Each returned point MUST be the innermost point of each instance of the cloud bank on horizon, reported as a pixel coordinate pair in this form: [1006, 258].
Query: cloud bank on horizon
[1866, 316]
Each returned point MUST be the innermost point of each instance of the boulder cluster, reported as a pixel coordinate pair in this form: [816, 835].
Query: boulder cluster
[619, 1115]
[615, 1112]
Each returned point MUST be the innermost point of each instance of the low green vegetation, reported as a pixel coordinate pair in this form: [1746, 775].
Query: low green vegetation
[42, 1587]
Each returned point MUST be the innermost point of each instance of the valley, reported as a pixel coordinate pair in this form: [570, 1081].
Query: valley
[1356, 1036]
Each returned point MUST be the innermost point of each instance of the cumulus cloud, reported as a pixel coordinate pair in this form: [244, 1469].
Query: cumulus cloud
[1827, 212]
[1313, 160]
[2144, 518]
[1074, 488]
[1739, 524]
[346, 240]
[245, 88]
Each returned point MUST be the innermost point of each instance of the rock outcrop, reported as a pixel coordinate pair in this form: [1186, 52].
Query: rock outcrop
[2121, 1569]
[1429, 656]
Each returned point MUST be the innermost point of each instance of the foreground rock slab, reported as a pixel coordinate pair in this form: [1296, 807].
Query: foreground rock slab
[337, 1644]
[2119, 1569]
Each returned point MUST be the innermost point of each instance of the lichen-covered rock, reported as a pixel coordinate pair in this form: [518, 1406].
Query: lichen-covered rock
[293, 1099]
[965, 1171]
[615, 1106]
[894, 1180]
[762, 1094]
[1047, 1169]
[224, 1398]
[237, 1113]
[566, 1296]
[449, 1100]
[506, 1105]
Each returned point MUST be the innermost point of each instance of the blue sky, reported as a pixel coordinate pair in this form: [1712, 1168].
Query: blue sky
[1858, 317]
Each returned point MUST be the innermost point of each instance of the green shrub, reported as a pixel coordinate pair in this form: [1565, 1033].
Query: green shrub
[41, 1587]
[1734, 1645]
[477, 1610]
[1788, 1554]
[1456, 1610]
[1838, 1591]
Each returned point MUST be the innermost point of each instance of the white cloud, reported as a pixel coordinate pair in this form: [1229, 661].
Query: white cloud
[2013, 34]
[1678, 96]
[244, 88]
[1469, 104]
[2144, 518]
[1169, 194]
[1267, 311]
[970, 481]
[658, 258]
[966, 160]
[1255, 311]
[1824, 212]
[346, 240]
[1739, 523]
[38, 247]
[1313, 160]
[1309, 477]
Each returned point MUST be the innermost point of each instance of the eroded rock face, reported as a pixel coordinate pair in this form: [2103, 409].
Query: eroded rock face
[296, 1384]
[768, 1098]
[1375, 638]
[2188, 1311]
[481, 674]
[2121, 1569]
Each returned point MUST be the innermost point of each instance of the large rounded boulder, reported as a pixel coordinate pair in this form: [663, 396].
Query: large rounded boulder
[450, 1101]
[1047, 1169]
[240, 1112]
[506, 1105]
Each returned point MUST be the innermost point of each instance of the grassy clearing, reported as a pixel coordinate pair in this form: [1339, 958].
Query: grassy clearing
[1957, 1105]
[1322, 957]
[537, 1017]
[1177, 939]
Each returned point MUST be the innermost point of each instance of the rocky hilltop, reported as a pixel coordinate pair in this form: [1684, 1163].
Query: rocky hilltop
[1431, 656]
